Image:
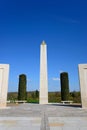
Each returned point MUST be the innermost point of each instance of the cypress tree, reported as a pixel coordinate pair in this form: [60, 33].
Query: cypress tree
[22, 94]
[64, 86]
[37, 93]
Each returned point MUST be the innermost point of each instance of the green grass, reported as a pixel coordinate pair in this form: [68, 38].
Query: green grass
[33, 96]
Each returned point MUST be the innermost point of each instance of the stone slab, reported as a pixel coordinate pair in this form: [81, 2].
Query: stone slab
[18, 123]
[4, 71]
[83, 83]
[67, 123]
[43, 117]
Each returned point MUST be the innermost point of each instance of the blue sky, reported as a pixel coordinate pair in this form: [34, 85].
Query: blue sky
[24, 24]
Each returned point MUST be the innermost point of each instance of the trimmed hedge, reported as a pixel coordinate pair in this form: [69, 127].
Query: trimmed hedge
[22, 94]
[64, 86]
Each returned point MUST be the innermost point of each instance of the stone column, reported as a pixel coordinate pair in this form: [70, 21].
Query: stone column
[43, 97]
[4, 71]
[83, 83]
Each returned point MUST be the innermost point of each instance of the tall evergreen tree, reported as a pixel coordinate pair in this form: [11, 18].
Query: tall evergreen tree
[64, 81]
[22, 93]
[37, 93]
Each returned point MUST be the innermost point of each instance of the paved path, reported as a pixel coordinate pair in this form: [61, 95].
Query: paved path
[43, 117]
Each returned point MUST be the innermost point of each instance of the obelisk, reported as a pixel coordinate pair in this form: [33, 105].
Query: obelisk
[43, 97]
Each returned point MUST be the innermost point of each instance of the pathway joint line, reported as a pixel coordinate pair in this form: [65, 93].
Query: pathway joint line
[44, 122]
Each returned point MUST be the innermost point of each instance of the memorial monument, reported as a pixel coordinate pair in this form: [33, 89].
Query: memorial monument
[4, 71]
[43, 96]
[83, 84]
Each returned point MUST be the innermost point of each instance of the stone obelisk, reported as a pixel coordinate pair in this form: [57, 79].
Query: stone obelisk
[43, 97]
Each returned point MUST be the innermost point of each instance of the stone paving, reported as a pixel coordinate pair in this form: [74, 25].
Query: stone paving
[43, 117]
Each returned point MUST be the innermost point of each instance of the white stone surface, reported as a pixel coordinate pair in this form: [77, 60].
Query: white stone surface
[83, 83]
[43, 98]
[31, 116]
[4, 71]
[20, 123]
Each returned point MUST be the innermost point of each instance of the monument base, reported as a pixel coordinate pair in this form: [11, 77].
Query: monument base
[3, 104]
[43, 100]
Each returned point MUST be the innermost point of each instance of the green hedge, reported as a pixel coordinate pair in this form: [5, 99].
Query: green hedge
[64, 86]
[22, 94]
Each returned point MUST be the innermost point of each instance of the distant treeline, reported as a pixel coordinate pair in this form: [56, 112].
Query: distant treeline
[33, 96]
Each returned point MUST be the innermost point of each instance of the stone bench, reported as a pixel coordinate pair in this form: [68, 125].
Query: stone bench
[69, 102]
[8, 101]
[20, 101]
[16, 101]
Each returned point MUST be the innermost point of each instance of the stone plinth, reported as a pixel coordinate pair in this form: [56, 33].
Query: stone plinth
[4, 71]
[83, 83]
[43, 97]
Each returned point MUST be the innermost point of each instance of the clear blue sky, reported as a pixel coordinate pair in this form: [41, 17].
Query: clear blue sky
[24, 24]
